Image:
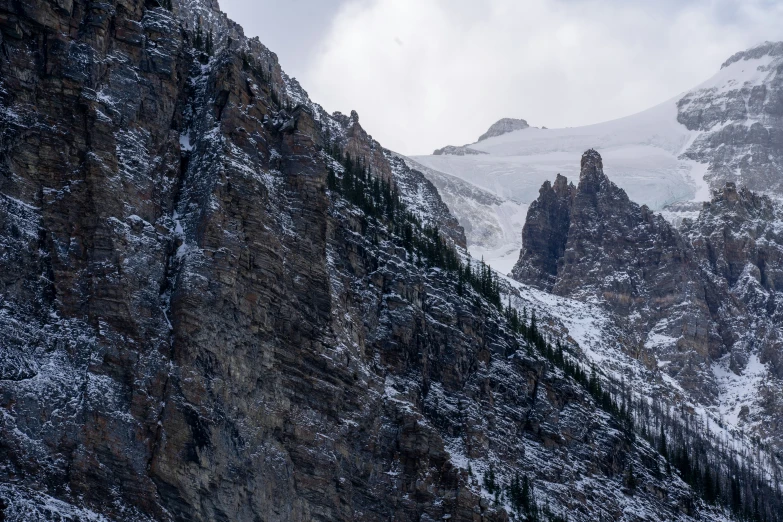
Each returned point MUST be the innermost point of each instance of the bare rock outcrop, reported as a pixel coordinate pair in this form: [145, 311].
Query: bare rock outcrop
[503, 126]
[685, 299]
[500, 127]
[741, 138]
[545, 234]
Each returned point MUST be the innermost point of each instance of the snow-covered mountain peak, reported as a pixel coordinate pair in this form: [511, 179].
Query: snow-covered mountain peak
[499, 128]
[669, 157]
[754, 69]
[504, 126]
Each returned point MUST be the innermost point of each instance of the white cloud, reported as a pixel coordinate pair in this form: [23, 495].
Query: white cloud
[427, 73]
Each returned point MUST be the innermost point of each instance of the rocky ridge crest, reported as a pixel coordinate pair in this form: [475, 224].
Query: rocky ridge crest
[685, 301]
[503, 126]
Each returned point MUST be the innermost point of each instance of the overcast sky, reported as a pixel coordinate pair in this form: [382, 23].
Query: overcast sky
[427, 73]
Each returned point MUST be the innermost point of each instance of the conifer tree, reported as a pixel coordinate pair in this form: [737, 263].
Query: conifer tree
[489, 480]
[199, 43]
[630, 478]
[709, 488]
[331, 180]
[662, 448]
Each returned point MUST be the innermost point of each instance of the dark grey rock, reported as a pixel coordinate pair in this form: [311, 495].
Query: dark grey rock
[193, 327]
[742, 139]
[545, 234]
[683, 299]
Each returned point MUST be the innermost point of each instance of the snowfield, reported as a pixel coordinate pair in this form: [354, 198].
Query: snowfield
[640, 153]
[643, 153]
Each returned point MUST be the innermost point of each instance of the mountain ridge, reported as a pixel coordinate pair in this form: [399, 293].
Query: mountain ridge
[500, 127]
[220, 302]
[687, 300]
[669, 157]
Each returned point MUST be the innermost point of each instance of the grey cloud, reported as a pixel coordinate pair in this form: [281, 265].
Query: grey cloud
[465, 64]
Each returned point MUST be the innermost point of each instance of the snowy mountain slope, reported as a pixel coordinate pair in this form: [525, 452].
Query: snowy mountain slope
[685, 322]
[738, 121]
[729, 128]
[642, 150]
[421, 195]
[597, 341]
[491, 223]
[687, 317]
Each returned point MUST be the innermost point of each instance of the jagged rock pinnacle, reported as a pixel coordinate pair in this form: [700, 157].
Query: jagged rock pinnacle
[545, 233]
[591, 162]
[561, 184]
[592, 178]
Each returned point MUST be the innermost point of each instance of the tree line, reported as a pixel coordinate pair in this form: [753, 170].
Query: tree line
[425, 245]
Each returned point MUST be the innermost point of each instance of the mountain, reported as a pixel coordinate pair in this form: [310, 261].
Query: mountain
[736, 121]
[504, 126]
[219, 302]
[453, 150]
[498, 128]
[691, 298]
[728, 129]
[698, 308]
[423, 198]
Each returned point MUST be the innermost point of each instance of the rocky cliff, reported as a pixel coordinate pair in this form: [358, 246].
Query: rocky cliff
[701, 305]
[740, 124]
[219, 302]
[545, 234]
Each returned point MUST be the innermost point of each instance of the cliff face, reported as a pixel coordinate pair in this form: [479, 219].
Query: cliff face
[190, 329]
[741, 138]
[545, 234]
[686, 302]
[195, 325]
[738, 240]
